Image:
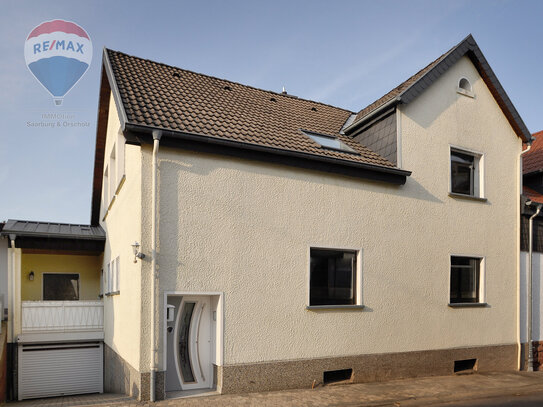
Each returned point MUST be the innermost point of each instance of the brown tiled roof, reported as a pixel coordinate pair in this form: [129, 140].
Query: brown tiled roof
[532, 194]
[165, 97]
[533, 160]
[400, 88]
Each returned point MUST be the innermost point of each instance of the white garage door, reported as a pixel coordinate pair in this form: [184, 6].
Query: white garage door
[47, 370]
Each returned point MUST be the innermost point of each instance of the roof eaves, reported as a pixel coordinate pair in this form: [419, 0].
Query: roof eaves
[260, 147]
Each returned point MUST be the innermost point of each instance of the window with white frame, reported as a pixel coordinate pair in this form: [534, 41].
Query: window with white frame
[465, 280]
[333, 277]
[105, 190]
[466, 173]
[112, 277]
[112, 174]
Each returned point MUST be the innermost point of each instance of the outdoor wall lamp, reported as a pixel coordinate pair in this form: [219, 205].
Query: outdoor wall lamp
[31, 276]
[137, 253]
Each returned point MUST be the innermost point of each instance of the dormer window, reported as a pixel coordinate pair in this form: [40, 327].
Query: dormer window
[330, 142]
[464, 87]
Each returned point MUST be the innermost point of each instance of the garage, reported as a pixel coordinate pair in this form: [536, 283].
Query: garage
[58, 369]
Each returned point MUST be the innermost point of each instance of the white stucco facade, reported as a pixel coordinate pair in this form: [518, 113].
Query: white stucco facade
[122, 223]
[244, 228]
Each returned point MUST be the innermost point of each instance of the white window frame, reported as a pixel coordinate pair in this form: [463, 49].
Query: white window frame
[359, 304]
[120, 156]
[482, 282]
[112, 173]
[105, 189]
[479, 172]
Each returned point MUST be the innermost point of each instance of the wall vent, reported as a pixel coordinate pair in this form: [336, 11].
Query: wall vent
[465, 366]
[336, 376]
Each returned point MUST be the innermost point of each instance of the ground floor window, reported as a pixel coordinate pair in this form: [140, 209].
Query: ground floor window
[60, 287]
[465, 279]
[332, 277]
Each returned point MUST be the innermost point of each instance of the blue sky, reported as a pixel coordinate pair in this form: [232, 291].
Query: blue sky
[345, 53]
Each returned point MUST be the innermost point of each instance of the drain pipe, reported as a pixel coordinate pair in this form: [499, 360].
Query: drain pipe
[520, 304]
[529, 310]
[13, 288]
[154, 276]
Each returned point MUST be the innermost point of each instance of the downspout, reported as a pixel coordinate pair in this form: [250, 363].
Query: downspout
[519, 294]
[13, 288]
[529, 310]
[156, 140]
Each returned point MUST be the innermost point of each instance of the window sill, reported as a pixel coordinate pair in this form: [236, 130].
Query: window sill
[465, 92]
[469, 197]
[467, 304]
[333, 307]
[113, 293]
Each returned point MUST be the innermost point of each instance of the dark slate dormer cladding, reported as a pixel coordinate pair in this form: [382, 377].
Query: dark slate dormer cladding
[380, 135]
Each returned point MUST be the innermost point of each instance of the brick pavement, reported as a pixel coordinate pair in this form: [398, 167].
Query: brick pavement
[408, 392]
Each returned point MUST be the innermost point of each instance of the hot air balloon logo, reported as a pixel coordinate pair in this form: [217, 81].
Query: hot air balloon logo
[58, 53]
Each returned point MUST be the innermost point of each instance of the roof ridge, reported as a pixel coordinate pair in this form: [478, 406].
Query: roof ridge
[232, 82]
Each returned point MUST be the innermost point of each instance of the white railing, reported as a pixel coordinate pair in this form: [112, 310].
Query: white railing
[62, 316]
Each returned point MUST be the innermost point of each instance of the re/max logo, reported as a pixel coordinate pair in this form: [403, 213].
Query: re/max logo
[61, 44]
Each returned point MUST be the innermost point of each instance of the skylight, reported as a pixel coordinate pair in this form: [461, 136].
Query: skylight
[330, 142]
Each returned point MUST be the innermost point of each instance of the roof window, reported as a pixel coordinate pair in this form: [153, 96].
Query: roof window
[329, 142]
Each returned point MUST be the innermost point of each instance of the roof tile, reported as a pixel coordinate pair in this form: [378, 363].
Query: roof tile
[162, 96]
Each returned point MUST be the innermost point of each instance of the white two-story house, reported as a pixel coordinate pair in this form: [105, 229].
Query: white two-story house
[258, 241]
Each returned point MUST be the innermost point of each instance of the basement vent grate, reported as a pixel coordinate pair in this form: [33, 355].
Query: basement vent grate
[464, 366]
[335, 376]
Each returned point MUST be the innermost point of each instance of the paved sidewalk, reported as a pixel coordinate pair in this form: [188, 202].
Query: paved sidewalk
[409, 392]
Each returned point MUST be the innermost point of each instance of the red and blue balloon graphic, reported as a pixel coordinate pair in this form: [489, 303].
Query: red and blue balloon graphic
[58, 53]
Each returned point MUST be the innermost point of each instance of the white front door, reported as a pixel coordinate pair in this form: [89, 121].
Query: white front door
[192, 343]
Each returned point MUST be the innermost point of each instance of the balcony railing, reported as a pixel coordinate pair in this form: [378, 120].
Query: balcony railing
[62, 316]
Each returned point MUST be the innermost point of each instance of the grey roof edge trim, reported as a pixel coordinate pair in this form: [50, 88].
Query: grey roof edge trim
[259, 147]
[347, 123]
[469, 44]
[375, 112]
[501, 91]
[17, 232]
[114, 89]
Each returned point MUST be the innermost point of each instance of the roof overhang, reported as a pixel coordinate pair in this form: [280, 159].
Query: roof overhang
[139, 134]
[58, 237]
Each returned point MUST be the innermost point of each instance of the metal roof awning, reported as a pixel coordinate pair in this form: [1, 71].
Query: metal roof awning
[55, 236]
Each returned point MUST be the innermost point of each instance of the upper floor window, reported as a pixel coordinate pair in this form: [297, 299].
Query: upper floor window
[466, 173]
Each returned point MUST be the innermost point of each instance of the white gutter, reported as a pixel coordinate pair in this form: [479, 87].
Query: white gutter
[520, 329]
[529, 310]
[156, 140]
[13, 288]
